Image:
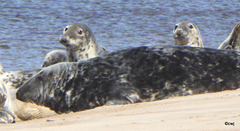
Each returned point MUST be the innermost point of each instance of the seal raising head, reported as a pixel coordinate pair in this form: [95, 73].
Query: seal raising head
[187, 33]
[233, 40]
[80, 43]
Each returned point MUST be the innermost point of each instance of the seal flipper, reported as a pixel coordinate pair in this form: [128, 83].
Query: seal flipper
[123, 94]
[7, 117]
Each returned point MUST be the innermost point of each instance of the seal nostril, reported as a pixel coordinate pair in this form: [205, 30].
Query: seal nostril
[179, 32]
[63, 40]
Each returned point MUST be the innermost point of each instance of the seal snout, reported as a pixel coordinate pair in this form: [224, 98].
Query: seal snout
[178, 33]
[64, 41]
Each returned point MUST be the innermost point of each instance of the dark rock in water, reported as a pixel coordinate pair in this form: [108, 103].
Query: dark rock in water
[133, 75]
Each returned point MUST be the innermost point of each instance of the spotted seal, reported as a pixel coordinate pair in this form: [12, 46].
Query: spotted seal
[11, 109]
[54, 57]
[133, 75]
[233, 40]
[187, 33]
[80, 43]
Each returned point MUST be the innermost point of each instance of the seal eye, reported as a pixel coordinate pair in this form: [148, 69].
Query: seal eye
[190, 26]
[176, 26]
[65, 29]
[80, 32]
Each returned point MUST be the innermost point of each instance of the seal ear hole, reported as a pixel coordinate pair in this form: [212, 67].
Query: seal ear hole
[190, 26]
[80, 32]
[176, 26]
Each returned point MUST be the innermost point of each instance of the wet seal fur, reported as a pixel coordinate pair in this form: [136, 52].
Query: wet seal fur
[233, 40]
[80, 43]
[133, 75]
[187, 33]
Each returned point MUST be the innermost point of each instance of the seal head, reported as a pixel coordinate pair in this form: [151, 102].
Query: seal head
[188, 34]
[80, 43]
[54, 57]
[233, 40]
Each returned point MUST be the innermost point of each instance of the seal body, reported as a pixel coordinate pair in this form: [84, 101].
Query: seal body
[133, 75]
[54, 57]
[233, 40]
[6, 112]
[11, 109]
[187, 34]
[9, 83]
[80, 43]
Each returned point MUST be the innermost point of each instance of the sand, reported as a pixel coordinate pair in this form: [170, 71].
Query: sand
[211, 111]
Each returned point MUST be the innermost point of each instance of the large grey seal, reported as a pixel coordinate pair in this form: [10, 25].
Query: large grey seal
[187, 33]
[54, 57]
[80, 43]
[133, 75]
[233, 40]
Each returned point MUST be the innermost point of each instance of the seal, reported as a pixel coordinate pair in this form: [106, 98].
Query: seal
[80, 43]
[187, 33]
[54, 57]
[11, 109]
[133, 75]
[233, 40]
[6, 115]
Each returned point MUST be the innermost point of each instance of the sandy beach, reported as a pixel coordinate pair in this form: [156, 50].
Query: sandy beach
[211, 111]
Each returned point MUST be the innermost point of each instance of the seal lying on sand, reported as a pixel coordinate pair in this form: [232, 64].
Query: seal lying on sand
[54, 57]
[12, 109]
[133, 75]
[233, 40]
[187, 33]
[80, 43]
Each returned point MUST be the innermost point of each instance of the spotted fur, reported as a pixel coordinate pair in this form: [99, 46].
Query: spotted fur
[133, 75]
[80, 43]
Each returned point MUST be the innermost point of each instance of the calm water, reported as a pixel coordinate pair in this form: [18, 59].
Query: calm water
[31, 28]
